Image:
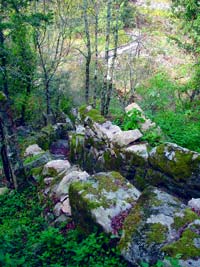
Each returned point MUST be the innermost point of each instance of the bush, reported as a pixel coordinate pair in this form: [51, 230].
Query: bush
[130, 120]
[26, 240]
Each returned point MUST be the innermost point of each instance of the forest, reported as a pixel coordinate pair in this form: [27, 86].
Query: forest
[71, 73]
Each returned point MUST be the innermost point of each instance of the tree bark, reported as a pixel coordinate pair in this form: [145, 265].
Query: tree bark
[96, 56]
[89, 54]
[110, 81]
[106, 77]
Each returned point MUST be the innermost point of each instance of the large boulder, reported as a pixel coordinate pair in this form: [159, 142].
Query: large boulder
[100, 199]
[160, 225]
[180, 165]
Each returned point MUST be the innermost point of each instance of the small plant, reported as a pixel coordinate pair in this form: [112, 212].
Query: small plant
[130, 120]
[152, 136]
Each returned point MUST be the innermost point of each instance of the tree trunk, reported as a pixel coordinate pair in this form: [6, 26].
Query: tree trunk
[3, 64]
[96, 56]
[24, 105]
[89, 54]
[8, 128]
[47, 92]
[8, 171]
[110, 82]
[106, 77]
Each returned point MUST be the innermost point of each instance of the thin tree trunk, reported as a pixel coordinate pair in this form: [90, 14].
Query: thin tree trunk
[24, 105]
[89, 54]
[110, 81]
[9, 174]
[96, 56]
[3, 64]
[47, 92]
[106, 77]
[8, 128]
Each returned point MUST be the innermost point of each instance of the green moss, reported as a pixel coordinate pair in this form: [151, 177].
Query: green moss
[93, 114]
[180, 167]
[156, 233]
[77, 147]
[99, 184]
[96, 116]
[139, 179]
[184, 246]
[130, 226]
[2, 97]
[36, 172]
[189, 216]
[32, 158]
[82, 206]
[134, 160]
[113, 162]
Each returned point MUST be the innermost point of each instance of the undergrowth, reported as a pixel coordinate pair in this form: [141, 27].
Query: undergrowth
[26, 240]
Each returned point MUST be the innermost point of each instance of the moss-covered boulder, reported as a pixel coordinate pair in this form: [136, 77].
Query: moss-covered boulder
[98, 200]
[160, 225]
[181, 165]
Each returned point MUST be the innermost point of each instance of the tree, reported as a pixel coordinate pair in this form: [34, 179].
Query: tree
[107, 47]
[14, 17]
[89, 53]
[53, 43]
[189, 13]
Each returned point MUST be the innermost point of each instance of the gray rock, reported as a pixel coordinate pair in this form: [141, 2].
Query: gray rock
[66, 208]
[125, 138]
[181, 165]
[140, 150]
[80, 129]
[57, 209]
[63, 186]
[100, 198]
[33, 150]
[157, 226]
[194, 204]
[55, 167]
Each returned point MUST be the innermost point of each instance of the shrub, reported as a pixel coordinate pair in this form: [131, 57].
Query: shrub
[26, 240]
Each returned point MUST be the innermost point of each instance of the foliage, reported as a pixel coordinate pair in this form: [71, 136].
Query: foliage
[26, 239]
[171, 262]
[176, 115]
[152, 136]
[130, 120]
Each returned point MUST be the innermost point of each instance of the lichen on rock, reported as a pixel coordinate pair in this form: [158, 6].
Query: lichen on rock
[159, 225]
[104, 195]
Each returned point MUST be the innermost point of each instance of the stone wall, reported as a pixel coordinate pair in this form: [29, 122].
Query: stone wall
[98, 145]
